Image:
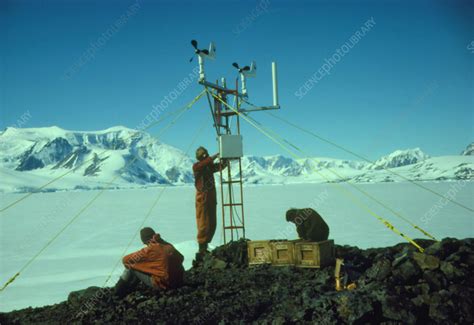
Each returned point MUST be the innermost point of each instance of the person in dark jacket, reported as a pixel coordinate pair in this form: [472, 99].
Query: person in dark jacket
[206, 200]
[309, 224]
[159, 265]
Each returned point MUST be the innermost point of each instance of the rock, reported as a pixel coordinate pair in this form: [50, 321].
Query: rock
[441, 307]
[466, 254]
[210, 262]
[425, 288]
[453, 258]
[464, 299]
[434, 249]
[435, 280]
[396, 309]
[397, 285]
[457, 289]
[147, 305]
[380, 270]
[218, 264]
[407, 272]
[399, 259]
[450, 271]
[354, 308]
[469, 259]
[77, 298]
[233, 253]
[421, 300]
[443, 248]
[425, 261]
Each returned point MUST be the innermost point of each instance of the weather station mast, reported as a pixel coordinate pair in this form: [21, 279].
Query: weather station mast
[226, 121]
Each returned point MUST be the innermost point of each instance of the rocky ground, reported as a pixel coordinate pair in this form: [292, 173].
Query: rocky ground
[396, 285]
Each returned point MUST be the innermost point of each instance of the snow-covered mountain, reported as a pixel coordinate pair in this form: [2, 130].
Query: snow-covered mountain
[400, 158]
[120, 157]
[436, 169]
[117, 155]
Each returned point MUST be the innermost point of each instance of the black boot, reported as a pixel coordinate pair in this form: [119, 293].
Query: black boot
[200, 254]
[203, 249]
[197, 260]
[122, 288]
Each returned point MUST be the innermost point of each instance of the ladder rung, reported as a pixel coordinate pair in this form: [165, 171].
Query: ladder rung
[231, 204]
[234, 227]
[228, 113]
[227, 182]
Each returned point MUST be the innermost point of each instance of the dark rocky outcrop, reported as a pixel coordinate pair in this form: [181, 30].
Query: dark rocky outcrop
[94, 167]
[51, 152]
[30, 163]
[396, 285]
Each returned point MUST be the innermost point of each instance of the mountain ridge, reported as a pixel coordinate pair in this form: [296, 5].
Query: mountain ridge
[135, 158]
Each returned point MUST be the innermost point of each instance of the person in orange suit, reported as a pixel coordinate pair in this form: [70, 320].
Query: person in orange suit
[159, 265]
[206, 201]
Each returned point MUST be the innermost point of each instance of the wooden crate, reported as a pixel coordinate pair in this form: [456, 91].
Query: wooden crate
[314, 254]
[259, 252]
[283, 252]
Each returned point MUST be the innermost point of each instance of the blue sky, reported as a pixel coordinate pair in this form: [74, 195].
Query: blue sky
[407, 83]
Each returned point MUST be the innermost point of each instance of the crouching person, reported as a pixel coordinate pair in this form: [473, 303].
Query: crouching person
[159, 265]
[309, 224]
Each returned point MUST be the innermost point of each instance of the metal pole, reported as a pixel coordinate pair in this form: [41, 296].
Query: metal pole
[275, 84]
[242, 198]
[231, 202]
[222, 204]
[240, 169]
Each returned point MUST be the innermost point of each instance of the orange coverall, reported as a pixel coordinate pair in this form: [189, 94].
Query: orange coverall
[206, 201]
[160, 260]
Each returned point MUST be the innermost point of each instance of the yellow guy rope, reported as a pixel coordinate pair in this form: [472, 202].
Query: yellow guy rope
[340, 187]
[155, 202]
[399, 215]
[88, 204]
[370, 161]
[99, 155]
